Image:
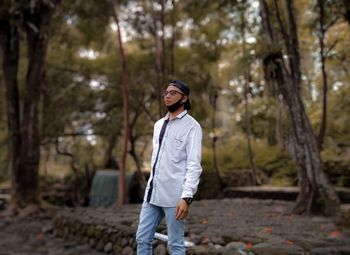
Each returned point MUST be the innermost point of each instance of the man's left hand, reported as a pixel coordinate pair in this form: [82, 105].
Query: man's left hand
[181, 210]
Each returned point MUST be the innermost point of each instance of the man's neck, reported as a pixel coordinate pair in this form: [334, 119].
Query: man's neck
[172, 115]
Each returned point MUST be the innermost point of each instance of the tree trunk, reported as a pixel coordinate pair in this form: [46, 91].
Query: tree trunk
[157, 64]
[253, 177]
[162, 40]
[25, 135]
[246, 90]
[213, 102]
[293, 46]
[110, 161]
[313, 182]
[347, 10]
[321, 37]
[122, 196]
[140, 176]
[10, 56]
[30, 147]
[173, 39]
[279, 125]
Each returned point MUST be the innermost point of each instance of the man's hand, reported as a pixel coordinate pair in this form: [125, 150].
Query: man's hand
[181, 210]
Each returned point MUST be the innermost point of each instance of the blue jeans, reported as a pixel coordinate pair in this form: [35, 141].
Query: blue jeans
[150, 217]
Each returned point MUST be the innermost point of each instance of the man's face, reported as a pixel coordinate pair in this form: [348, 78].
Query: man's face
[172, 95]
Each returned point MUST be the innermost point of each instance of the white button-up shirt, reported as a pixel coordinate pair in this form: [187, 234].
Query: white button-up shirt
[176, 170]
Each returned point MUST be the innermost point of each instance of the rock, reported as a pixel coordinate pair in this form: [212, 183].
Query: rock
[217, 239]
[100, 245]
[117, 249]
[65, 232]
[199, 250]
[330, 250]
[91, 230]
[205, 239]
[217, 246]
[47, 229]
[212, 250]
[262, 246]
[134, 245]
[69, 244]
[196, 239]
[108, 247]
[98, 232]
[123, 242]
[235, 246]
[80, 239]
[128, 251]
[92, 242]
[160, 250]
[279, 250]
[322, 251]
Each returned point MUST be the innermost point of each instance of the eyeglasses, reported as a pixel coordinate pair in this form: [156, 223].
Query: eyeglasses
[171, 93]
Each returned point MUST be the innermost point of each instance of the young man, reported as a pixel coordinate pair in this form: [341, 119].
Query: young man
[176, 167]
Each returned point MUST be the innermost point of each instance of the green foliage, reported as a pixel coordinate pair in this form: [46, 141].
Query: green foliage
[274, 165]
[336, 163]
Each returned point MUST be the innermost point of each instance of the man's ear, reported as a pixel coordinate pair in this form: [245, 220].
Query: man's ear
[186, 98]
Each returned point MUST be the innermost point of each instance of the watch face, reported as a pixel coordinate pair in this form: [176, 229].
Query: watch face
[188, 200]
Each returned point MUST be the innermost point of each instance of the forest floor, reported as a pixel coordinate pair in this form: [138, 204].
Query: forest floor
[218, 224]
[33, 235]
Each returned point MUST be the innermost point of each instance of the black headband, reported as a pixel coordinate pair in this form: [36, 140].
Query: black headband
[181, 86]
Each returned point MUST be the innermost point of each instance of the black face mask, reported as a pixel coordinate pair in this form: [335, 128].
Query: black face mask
[175, 106]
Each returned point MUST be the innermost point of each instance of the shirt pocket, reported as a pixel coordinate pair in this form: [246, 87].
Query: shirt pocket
[178, 142]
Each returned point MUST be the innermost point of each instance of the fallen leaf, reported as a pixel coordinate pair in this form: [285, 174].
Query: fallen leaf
[335, 234]
[248, 246]
[231, 213]
[289, 242]
[267, 230]
[273, 215]
[204, 221]
[205, 240]
[40, 236]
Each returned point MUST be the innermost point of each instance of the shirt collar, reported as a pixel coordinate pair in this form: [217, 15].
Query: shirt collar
[179, 116]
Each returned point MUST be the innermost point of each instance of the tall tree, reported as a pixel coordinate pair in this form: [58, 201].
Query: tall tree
[173, 39]
[323, 26]
[213, 97]
[246, 91]
[347, 10]
[313, 182]
[122, 196]
[10, 58]
[34, 19]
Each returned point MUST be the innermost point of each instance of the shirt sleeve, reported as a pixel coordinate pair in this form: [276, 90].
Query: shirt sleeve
[193, 167]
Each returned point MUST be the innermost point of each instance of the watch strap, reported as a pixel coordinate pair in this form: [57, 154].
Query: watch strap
[188, 200]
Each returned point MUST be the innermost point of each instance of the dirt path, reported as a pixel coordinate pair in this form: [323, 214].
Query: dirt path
[33, 236]
[215, 226]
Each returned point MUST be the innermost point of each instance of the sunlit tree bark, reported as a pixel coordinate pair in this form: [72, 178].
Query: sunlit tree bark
[313, 182]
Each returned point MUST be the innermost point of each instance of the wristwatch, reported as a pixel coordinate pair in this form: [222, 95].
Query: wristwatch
[188, 200]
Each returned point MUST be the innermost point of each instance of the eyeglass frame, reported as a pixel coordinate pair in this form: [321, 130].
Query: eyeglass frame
[172, 93]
